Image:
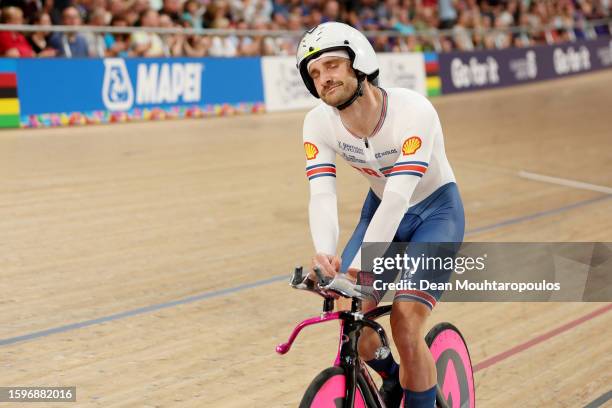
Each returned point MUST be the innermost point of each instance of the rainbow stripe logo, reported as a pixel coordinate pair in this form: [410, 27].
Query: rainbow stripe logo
[9, 103]
[432, 70]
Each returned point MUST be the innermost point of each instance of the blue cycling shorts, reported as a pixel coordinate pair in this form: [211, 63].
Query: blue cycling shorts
[437, 219]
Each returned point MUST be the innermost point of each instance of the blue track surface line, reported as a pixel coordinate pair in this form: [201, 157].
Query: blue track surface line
[274, 279]
[537, 215]
[141, 310]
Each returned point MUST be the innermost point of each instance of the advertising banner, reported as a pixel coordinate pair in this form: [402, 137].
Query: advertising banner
[115, 89]
[403, 70]
[284, 89]
[469, 71]
[283, 86]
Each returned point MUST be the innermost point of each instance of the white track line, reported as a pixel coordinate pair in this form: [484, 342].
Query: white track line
[565, 182]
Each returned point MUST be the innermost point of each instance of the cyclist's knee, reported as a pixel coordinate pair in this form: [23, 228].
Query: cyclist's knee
[408, 325]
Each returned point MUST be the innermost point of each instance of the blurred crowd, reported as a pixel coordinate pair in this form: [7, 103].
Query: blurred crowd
[465, 25]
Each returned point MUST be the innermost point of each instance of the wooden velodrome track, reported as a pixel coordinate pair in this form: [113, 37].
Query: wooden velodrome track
[147, 263]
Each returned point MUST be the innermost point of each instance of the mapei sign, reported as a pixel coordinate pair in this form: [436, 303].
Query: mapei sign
[155, 84]
[116, 84]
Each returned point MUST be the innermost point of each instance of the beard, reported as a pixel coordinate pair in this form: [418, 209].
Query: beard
[339, 92]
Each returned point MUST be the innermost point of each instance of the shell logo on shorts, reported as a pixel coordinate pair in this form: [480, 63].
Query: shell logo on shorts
[311, 150]
[411, 145]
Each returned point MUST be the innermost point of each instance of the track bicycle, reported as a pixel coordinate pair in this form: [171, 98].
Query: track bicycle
[348, 383]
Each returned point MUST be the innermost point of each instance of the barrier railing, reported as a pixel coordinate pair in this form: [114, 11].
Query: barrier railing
[433, 35]
[101, 90]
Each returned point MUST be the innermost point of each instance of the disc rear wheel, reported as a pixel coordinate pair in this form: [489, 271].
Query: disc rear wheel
[454, 366]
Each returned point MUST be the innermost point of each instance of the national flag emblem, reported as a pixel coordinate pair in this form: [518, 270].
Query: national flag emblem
[311, 150]
[411, 145]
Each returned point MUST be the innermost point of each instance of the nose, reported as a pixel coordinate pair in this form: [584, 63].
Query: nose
[326, 79]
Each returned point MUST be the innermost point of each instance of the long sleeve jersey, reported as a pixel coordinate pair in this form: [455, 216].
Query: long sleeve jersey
[403, 160]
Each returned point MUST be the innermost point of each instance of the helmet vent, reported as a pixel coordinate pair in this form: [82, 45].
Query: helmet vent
[346, 41]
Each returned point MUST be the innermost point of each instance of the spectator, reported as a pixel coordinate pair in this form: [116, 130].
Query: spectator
[196, 46]
[192, 14]
[30, 8]
[217, 15]
[226, 46]
[117, 45]
[173, 9]
[401, 22]
[117, 8]
[461, 35]
[13, 44]
[173, 43]
[147, 44]
[448, 13]
[387, 12]
[70, 44]
[140, 6]
[95, 41]
[280, 7]
[39, 39]
[257, 10]
[331, 11]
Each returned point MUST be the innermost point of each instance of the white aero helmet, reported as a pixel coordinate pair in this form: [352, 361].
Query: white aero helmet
[334, 36]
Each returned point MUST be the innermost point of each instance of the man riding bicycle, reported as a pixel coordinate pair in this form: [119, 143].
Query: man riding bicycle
[393, 137]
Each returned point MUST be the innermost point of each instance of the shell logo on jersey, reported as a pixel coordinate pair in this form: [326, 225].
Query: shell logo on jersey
[311, 150]
[411, 145]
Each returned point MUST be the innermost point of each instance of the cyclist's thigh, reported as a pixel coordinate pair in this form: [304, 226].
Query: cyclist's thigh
[436, 239]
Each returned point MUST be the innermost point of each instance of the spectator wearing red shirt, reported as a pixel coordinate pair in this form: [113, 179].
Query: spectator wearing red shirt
[14, 44]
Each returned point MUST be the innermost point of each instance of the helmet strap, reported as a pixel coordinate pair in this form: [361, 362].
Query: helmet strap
[357, 94]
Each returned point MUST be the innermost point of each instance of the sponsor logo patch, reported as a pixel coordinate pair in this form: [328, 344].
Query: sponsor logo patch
[349, 148]
[411, 145]
[385, 153]
[351, 158]
[311, 150]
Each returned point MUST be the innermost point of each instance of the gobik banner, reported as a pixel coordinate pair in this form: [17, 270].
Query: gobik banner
[284, 89]
[469, 71]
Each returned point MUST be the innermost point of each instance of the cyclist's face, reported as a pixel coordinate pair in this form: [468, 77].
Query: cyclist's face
[334, 79]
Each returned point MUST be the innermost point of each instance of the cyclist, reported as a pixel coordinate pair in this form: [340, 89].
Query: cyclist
[394, 139]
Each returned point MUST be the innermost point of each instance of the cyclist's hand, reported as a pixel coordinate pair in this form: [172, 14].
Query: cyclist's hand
[328, 264]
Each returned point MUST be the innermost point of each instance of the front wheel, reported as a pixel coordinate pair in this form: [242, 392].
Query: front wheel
[454, 366]
[328, 390]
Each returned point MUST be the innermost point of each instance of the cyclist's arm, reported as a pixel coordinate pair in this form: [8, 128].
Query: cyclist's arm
[404, 177]
[321, 173]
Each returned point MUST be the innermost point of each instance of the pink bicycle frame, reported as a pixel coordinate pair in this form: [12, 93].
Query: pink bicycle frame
[325, 317]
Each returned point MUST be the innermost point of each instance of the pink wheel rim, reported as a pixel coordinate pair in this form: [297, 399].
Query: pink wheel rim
[332, 390]
[454, 368]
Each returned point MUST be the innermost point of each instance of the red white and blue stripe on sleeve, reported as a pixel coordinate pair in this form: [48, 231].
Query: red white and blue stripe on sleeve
[410, 168]
[321, 170]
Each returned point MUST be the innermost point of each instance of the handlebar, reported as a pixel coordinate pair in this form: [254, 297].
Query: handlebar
[329, 287]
